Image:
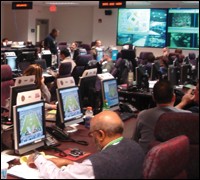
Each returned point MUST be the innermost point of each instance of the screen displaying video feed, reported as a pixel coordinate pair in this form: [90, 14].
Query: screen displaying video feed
[142, 27]
[30, 123]
[110, 92]
[70, 103]
[183, 28]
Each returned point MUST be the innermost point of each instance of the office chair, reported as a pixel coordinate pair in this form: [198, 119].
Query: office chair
[167, 160]
[63, 71]
[42, 63]
[6, 82]
[81, 63]
[173, 124]
[62, 45]
[86, 46]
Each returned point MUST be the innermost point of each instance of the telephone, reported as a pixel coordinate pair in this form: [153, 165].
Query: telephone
[126, 107]
[57, 133]
[51, 141]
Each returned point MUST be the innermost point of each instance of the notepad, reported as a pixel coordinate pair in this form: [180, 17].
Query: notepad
[24, 171]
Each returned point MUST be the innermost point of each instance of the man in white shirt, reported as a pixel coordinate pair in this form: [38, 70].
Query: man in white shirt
[65, 57]
[119, 158]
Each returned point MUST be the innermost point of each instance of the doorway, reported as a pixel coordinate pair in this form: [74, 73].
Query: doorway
[42, 29]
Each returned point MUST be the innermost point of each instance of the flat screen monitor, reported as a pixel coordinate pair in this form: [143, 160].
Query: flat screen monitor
[82, 51]
[69, 107]
[173, 75]
[186, 73]
[142, 27]
[29, 56]
[29, 127]
[114, 54]
[110, 93]
[100, 54]
[14, 90]
[155, 71]
[11, 61]
[140, 72]
[128, 54]
[183, 28]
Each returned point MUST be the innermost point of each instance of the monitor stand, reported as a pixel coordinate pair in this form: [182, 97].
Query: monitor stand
[70, 129]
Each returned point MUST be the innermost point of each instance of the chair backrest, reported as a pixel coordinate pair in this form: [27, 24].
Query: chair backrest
[87, 47]
[173, 124]
[42, 63]
[24, 65]
[65, 69]
[82, 60]
[167, 160]
[81, 64]
[6, 82]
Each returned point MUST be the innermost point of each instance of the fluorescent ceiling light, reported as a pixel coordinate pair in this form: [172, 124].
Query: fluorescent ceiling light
[190, 2]
[61, 3]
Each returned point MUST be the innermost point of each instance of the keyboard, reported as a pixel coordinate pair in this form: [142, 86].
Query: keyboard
[127, 115]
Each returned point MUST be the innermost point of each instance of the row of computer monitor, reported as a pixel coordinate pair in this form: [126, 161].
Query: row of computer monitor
[176, 75]
[29, 119]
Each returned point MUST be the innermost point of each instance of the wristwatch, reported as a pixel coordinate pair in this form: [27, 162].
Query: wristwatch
[36, 154]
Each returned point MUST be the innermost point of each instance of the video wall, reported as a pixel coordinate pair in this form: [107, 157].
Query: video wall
[175, 28]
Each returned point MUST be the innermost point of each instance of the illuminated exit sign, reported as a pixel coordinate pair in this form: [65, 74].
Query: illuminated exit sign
[112, 4]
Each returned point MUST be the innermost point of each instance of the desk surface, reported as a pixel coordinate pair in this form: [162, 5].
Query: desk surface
[82, 134]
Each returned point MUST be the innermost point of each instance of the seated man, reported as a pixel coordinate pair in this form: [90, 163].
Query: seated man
[74, 51]
[119, 158]
[190, 98]
[107, 63]
[163, 94]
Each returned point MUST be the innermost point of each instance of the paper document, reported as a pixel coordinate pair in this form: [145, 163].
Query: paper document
[23, 171]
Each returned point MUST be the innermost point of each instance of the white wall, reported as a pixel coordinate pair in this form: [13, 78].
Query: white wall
[15, 24]
[74, 24]
[38, 12]
[105, 31]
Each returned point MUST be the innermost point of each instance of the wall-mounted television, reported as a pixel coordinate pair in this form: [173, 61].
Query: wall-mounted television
[142, 27]
[183, 28]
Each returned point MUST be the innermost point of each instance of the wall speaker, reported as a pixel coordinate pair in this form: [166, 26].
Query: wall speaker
[108, 12]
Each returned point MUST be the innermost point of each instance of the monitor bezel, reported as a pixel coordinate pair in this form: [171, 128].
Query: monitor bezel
[16, 90]
[32, 145]
[60, 111]
[113, 107]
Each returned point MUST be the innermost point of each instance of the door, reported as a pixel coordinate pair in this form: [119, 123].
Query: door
[42, 29]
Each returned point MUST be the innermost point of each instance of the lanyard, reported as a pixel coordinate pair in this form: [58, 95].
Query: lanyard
[114, 142]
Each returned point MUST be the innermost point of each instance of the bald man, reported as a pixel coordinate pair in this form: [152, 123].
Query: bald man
[118, 158]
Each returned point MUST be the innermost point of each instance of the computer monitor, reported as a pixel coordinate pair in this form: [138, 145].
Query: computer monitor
[155, 71]
[185, 73]
[140, 73]
[100, 54]
[82, 51]
[29, 56]
[114, 54]
[29, 127]
[14, 90]
[110, 93]
[11, 60]
[69, 109]
[173, 75]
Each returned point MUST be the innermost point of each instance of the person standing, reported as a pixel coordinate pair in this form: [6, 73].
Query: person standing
[51, 44]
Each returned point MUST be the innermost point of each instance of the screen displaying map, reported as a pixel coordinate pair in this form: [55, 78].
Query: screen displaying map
[70, 103]
[30, 124]
[142, 27]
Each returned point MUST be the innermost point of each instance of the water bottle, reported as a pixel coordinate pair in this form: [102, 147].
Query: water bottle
[105, 105]
[88, 116]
